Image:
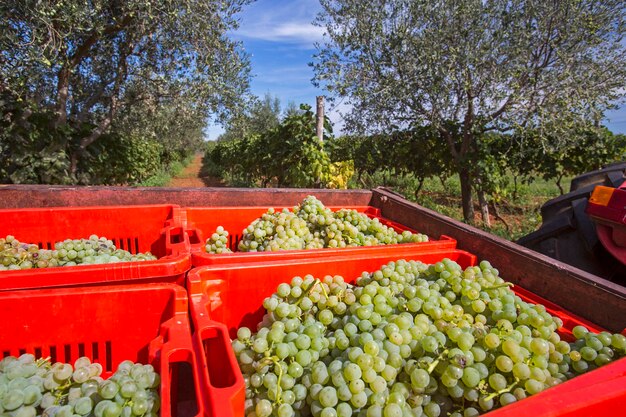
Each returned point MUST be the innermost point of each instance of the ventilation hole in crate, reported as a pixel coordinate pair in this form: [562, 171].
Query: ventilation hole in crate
[136, 248]
[22, 351]
[177, 235]
[53, 354]
[49, 245]
[68, 353]
[129, 245]
[108, 356]
[38, 352]
[193, 237]
[184, 401]
[238, 239]
[81, 350]
[6, 353]
[120, 243]
[95, 352]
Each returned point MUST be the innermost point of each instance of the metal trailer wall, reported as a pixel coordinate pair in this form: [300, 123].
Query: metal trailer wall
[589, 296]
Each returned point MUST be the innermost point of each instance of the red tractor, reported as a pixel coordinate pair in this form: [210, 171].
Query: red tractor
[586, 227]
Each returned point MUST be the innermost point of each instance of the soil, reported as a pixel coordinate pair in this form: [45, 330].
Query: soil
[191, 176]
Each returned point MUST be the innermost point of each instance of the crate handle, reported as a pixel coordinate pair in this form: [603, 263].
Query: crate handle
[176, 240]
[223, 381]
[174, 346]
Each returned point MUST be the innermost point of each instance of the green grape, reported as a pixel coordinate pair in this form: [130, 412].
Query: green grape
[471, 377]
[32, 395]
[285, 410]
[83, 406]
[108, 389]
[81, 375]
[25, 411]
[507, 398]
[533, 386]
[579, 332]
[504, 364]
[12, 400]
[328, 397]
[139, 406]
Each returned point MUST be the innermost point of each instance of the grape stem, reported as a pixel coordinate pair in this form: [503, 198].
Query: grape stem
[434, 363]
[308, 291]
[43, 361]
[502, 391]
[274, 360]
[503, 285]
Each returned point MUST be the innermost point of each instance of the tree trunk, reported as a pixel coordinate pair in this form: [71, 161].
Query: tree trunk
[60, 108]
[482, 202]
[466, 195]
[496, 214]
[420, 183]
[558, 183]
[484, 208]
[91, 138]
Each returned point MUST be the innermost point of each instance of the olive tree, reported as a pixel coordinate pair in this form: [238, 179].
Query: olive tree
[88, 64]
[468, 67]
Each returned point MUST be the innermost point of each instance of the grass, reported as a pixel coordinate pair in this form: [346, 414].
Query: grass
[518, 206]
[164, 176]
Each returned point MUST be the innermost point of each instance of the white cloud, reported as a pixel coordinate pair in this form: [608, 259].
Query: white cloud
[281, 21]
[298, 31]
[292, 32]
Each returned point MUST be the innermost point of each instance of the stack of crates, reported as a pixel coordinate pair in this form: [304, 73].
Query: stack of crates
[180, 312]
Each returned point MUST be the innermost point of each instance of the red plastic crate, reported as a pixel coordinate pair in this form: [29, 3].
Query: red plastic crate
[201, 222]
[143, 228]
[224, 298]
[147, 324]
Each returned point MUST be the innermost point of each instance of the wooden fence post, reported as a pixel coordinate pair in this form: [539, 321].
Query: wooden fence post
[320, 118]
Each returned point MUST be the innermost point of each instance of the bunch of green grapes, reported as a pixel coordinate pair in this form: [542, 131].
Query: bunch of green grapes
[274, 231]
[95, 250]
[15, 255]
[311, 225]
[32, 387]
[218, 242]
[408, 339]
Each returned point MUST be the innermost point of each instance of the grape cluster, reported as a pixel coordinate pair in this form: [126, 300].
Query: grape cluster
[218, 242]
[311, 225]
[15, 255]
[407, 340]
[95, 250]
[30, 388]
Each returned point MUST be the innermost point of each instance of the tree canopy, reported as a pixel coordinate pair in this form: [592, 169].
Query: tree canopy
[469, 67]
[259, 117]
[143, 68]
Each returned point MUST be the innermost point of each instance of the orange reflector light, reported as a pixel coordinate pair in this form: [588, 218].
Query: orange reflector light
[601, 195]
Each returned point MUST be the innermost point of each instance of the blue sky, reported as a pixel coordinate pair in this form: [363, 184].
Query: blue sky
[280, 38]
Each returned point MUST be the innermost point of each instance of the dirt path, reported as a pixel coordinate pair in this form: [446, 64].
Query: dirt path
[191, 177]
